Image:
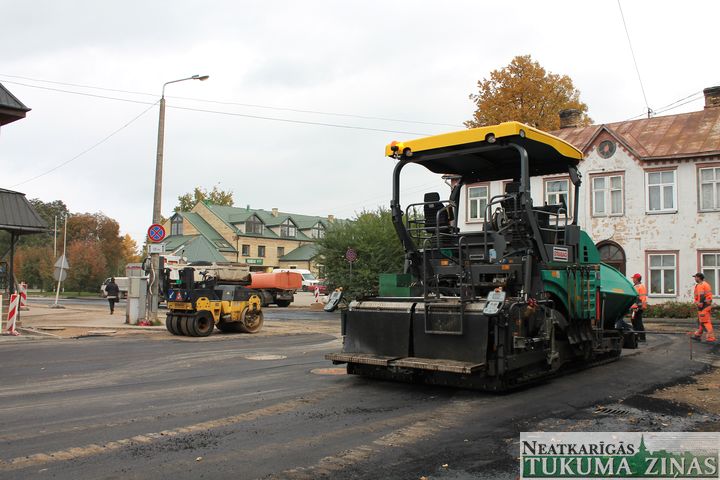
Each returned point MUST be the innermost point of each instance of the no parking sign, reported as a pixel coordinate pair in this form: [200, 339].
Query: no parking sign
[156, 232]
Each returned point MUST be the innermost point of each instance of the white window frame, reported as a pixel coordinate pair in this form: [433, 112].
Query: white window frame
[176, 225]
[318, 231]
[254, 220]
[662, 268]
[288, 229]
[715, 269]
[477, 200]
[662, 186]
[607, 194]
[716, 190]
[547, 193]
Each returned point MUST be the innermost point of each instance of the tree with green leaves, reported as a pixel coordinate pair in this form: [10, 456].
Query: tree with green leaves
[216, 196]
[525, 92]
[372, 236]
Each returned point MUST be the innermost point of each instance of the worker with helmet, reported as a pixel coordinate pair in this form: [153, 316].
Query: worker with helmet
[703, 300]
[639, 307]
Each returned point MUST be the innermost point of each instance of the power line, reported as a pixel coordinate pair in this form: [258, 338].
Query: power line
[88, 149]
[673, 105]
[257, 117]
[642, 87]
[303, 122]
[251, 105]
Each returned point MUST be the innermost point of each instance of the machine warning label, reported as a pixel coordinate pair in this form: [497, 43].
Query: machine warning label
[560, 254]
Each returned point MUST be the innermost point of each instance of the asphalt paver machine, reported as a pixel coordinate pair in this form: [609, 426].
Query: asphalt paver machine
[522, 298]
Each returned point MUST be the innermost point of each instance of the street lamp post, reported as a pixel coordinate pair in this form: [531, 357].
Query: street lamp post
[157, 216]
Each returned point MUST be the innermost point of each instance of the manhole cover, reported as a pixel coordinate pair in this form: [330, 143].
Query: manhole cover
[329, 371]
[265, 357]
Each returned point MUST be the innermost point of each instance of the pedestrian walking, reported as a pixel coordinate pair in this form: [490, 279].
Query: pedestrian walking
[703, 300]
[639, 307]
[113, 293]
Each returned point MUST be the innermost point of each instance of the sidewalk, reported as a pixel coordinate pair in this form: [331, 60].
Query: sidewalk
[74, 320]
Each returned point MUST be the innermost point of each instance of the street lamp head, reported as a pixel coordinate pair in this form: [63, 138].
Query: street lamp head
[202, 78]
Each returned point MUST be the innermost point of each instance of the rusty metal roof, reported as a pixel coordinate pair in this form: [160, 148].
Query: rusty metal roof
[686, 135]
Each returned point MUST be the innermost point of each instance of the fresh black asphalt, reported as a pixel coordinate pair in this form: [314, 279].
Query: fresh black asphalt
[251, 407]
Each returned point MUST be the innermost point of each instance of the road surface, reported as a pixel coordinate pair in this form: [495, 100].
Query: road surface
[244, 407]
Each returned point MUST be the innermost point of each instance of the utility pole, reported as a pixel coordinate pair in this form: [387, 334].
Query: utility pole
[157, 215]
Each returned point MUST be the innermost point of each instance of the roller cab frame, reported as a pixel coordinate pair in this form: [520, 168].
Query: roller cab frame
[523, 298]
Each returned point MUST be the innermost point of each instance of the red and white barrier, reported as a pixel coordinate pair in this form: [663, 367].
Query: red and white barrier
[22, 290]
[12, 314]
[317, 294]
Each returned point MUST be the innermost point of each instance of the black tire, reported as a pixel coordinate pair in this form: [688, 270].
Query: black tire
[184, 324]
[202, 325]
[251, 322]
[282, 303]
[171, 324]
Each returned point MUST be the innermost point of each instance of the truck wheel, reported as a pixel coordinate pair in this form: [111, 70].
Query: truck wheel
[202, 325]
[251, 322]
[184, 326]
[282, 303]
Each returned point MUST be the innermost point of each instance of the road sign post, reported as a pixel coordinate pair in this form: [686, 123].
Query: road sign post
[156, 233]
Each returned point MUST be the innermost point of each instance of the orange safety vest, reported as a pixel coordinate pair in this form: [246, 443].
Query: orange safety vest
[703, 294]
[642, 297]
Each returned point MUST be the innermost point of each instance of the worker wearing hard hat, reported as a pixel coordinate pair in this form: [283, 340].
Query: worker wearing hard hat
[639, 307]
[703, 300]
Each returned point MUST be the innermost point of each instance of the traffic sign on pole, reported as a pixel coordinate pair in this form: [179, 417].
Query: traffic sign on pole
[156, 232]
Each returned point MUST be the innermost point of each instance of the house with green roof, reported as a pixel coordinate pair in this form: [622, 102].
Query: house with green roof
[264, 239]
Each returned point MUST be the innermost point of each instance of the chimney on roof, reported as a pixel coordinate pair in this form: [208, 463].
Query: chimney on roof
[712, 97]
[274, 212]
[331, 218]
[570, 118]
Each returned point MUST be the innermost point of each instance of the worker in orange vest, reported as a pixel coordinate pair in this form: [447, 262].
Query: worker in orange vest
[703, 300]
[639, 307]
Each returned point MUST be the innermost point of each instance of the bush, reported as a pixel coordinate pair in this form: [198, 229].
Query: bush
[676, 310]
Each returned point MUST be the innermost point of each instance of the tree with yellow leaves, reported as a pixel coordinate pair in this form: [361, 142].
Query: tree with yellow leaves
[525, 92]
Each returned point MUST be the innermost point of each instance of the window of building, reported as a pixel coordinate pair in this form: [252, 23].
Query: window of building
[661, 195]
[261, 250]
[710, 267]
[663, 273]
[288, 229]
[245, 250]
[176, 225]
[254, 225]
[478, 196]
[318, 231]
[607, 195]
[557, 192]
[222, 244]
[612, 254]
[710, 188]
[280, 251]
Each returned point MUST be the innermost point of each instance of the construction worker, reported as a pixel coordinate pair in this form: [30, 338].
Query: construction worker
[639, 306]
[703, 300]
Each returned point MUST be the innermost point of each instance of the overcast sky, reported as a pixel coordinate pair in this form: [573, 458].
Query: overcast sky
[392, 70]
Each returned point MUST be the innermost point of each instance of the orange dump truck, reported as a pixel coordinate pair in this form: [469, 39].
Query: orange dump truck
[278, 287]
